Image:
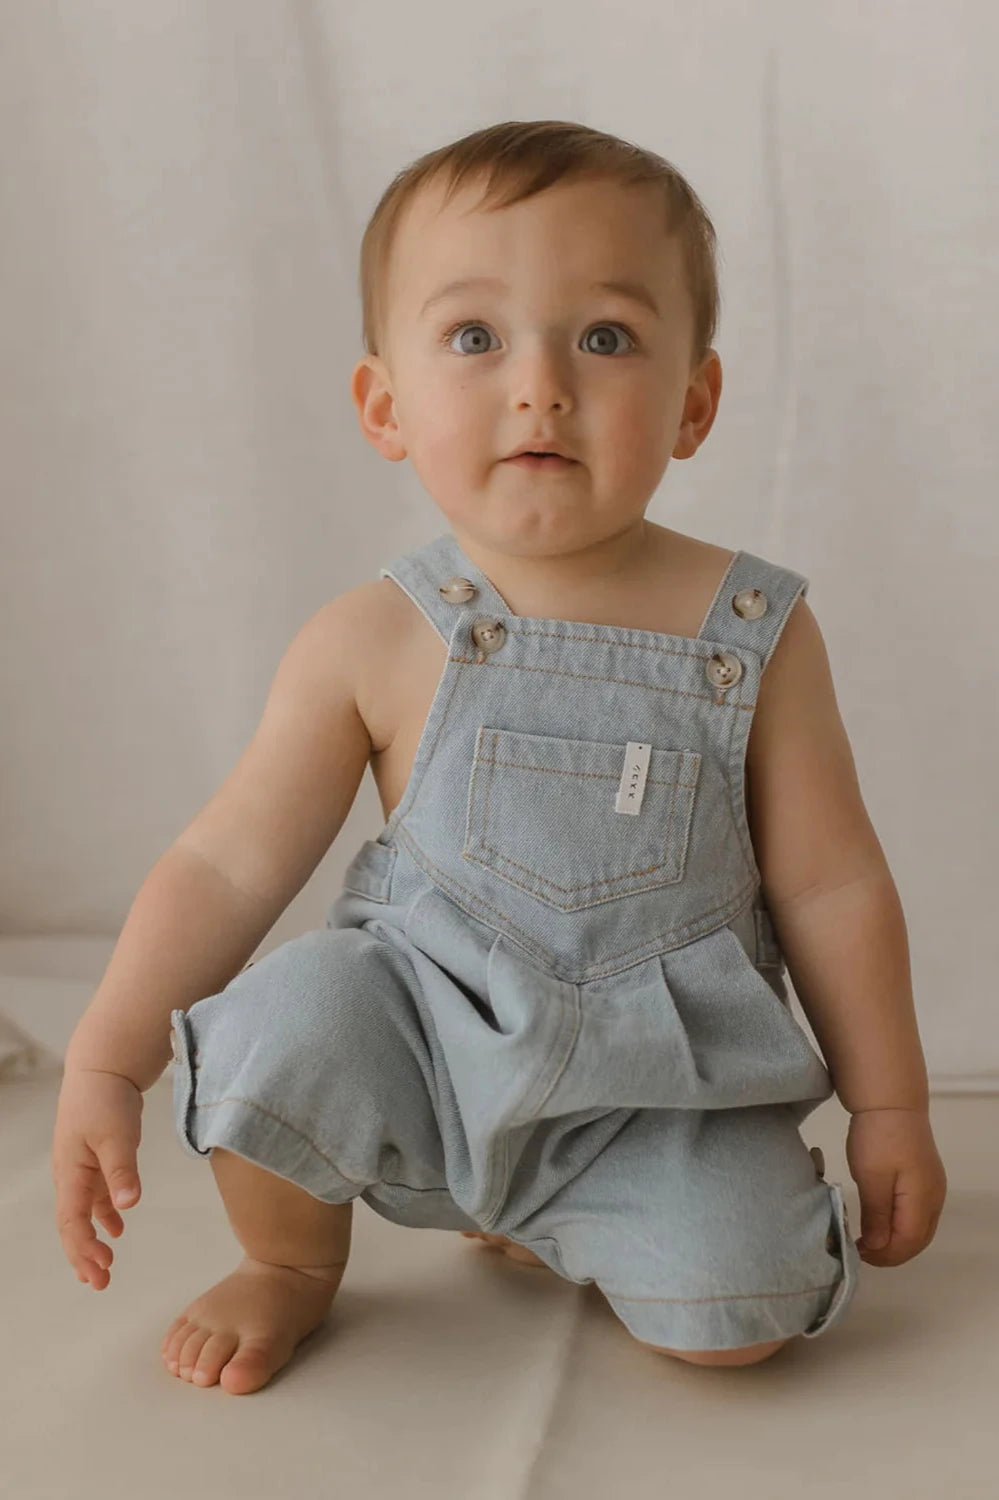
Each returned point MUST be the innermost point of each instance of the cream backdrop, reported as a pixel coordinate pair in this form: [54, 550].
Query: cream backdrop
[184, 189]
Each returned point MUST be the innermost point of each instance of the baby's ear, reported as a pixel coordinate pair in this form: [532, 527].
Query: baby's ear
[371, 391]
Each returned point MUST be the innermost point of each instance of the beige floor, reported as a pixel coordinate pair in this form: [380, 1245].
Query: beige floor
[446, 1370]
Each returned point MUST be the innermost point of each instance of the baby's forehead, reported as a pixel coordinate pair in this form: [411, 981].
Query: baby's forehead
[436, 230]
[441, 241]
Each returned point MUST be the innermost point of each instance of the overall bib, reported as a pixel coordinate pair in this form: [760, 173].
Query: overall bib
[549, 1000]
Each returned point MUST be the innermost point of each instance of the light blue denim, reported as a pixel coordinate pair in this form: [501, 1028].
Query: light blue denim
[533, 1013]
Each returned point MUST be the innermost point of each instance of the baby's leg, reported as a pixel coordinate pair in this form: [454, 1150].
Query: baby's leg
[246, 1326]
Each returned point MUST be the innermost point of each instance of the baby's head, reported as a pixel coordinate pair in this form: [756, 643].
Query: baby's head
[623, 378]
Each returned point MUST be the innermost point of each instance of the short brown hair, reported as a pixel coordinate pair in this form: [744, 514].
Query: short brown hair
[521, 157]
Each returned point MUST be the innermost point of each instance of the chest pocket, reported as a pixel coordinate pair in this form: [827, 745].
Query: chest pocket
[541, 816]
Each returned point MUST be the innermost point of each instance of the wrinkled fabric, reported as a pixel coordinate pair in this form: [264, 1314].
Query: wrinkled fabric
[534, 1013]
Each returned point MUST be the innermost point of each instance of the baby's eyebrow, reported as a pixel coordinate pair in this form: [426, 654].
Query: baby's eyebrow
[634, 291]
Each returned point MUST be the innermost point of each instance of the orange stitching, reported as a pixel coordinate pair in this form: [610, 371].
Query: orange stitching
[238, 1099]
[652, 687]
[732, 1297]
[489, 787]
[448, 882]
[568, 889]
[536, 874]
[522, 765]
[565, 635]
[383, 1182]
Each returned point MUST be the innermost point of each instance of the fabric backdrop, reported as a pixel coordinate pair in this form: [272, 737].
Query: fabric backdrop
[183, 191]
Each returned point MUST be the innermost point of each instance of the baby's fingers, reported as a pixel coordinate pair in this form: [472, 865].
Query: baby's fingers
[107, 1215]
[89, 1256]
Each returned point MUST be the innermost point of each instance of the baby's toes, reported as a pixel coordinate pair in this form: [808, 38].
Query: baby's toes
[217, 1349]
[190, 1351]
[253, 1364]
[173, 1342]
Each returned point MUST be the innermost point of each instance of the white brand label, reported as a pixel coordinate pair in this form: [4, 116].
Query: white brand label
[632, 787]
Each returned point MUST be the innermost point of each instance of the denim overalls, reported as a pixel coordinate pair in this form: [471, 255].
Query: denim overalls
[549, 1000]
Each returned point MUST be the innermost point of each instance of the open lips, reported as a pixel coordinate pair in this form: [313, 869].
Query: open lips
[541, 459]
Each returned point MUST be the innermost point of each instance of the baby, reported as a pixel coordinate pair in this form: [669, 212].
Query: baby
[548, 1006]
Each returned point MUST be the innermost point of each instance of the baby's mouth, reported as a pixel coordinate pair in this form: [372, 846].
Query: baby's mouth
[541, 461]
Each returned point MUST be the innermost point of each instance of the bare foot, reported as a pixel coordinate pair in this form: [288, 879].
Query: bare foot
[247, 1325]
[500, 1242]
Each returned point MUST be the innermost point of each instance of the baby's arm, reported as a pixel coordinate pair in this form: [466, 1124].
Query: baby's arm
[214, 895]
[826, 882]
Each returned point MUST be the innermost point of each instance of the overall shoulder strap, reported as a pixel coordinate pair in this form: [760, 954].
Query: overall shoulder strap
[752, 603]
[424, 571]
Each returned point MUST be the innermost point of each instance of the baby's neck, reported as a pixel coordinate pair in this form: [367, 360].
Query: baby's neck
[558, 585]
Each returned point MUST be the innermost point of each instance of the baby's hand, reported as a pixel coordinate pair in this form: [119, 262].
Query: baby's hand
[894, 1161]
[94, 1155]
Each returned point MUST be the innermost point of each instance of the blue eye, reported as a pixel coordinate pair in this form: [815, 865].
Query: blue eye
[458, 327]
[599, 327]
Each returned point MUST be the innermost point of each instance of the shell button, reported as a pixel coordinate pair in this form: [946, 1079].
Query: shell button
[489, 636]
[723, 669]
[457, 590]
[750, 603]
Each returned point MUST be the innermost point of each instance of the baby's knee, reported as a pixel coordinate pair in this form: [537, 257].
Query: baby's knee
[748, 1354]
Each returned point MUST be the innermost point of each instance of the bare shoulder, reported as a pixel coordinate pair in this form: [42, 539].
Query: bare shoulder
[370, 607]
[798, 671]
[797, 683]
[808, 821]
[385, 637]
[326, 656]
